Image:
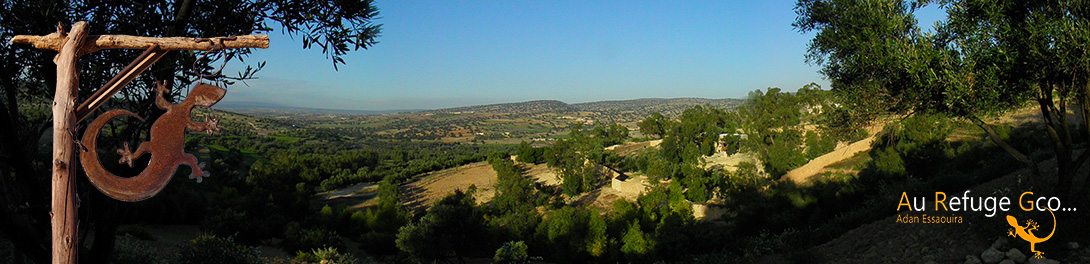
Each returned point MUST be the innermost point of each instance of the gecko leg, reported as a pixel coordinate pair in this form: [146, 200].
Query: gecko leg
[210, 125]
[128, 156]
[198, 168]
[161, 90]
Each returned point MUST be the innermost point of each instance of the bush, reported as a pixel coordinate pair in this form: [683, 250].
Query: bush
[513, 252]
[452, 227]
[564, 232]
[299, 239]
[210, 249]
[916, 146]
[818, 144]
[637, 246]
[137, 231]
[325, 256]
[234, 224]
[530, 154]
[888, 162]
[131, 250]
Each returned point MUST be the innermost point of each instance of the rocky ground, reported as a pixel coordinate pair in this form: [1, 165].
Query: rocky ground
[978, 239]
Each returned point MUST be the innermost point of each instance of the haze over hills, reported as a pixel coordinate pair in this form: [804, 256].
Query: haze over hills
[670, 107]
[506, 123]
[264, 108]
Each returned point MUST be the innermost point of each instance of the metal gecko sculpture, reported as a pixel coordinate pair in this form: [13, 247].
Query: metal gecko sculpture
[166, 146]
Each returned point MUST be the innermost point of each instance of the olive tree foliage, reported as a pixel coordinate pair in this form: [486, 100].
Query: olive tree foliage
[27, 79]
[986, 57]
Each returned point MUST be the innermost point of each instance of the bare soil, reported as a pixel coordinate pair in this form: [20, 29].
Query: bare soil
[433, 186]
[802, 174]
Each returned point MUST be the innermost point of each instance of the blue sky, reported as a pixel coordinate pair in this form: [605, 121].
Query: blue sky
[439, 54]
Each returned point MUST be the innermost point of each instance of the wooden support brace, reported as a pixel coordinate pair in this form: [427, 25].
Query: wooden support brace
[119, 81]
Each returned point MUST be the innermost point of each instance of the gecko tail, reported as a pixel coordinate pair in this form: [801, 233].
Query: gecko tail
[96, 173]
[1053, 225]
[90, 137]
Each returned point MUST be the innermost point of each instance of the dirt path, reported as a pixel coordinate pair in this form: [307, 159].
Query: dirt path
[801, 175]
[355, 197]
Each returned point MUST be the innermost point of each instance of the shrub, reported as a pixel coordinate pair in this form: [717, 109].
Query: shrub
[452, 227]
[637, 246]
[131, 250]
[234, 224]
[916, 146]
[210, 249]
[818, 144]
[513, 252]
[137, 231]
[297, 238]
[888, 162]
[530, 154]
[325, 256]
[564, 233]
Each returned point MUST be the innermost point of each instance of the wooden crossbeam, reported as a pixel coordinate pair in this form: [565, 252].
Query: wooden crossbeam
[94, 43]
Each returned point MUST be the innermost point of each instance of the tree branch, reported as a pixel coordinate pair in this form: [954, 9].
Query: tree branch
[94, 43]
[1003, 144]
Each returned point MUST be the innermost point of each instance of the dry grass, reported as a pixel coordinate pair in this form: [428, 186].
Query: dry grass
[433, 186]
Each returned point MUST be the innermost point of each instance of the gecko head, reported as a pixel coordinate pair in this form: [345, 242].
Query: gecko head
[1012, 221]
[206, 95]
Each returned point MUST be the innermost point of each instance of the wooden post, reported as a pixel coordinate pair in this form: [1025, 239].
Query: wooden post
[63, 212]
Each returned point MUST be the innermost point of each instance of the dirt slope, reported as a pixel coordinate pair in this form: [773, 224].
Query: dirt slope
[435, 185]
[801, 175]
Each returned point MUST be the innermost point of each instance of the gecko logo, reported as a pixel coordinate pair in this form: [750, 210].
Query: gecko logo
[1026, 232]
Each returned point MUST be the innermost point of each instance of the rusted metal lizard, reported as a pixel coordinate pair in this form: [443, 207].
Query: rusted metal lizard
[166, 146]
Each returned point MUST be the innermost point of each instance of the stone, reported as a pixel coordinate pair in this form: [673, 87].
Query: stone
[1042, 261]
[970, 259]
[1016, 255]
[1007, 261]
[1072, 245]
[1001, 244]
[933, 262]
[992, 256]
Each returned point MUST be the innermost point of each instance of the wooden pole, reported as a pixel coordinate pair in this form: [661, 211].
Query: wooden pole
[63, 211]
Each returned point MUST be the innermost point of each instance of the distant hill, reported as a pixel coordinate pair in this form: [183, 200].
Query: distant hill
[529, 107]
[266, 109]
[666, 106]
[671, 107]
[636, 108]
[507, 123]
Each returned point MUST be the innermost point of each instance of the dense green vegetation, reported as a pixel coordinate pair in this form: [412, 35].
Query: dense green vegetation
[931, 94]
